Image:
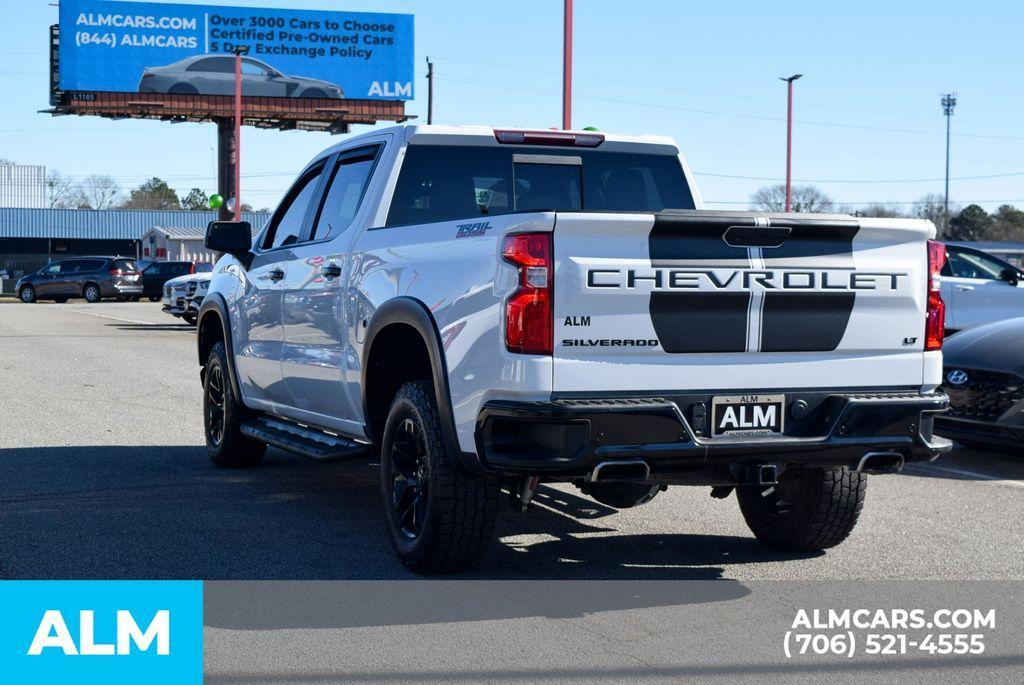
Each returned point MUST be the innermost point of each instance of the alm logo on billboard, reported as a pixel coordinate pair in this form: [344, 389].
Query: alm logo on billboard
[391, 89]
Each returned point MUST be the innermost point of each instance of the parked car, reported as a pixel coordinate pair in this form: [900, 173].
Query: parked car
[984, 378]
[178, 292]
[93, 278]
[481, 308]
[979, 288]
[195, 293]
[215, 75]
[156, 274]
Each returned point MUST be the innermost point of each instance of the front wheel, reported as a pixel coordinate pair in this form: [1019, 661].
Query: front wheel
[809, 509]
[27, 294]
[440, 518]
[223, 414]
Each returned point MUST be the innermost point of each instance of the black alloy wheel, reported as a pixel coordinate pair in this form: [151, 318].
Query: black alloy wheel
[410, 478]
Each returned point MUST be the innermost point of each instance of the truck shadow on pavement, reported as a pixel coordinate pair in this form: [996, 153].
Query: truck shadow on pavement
[159, 512]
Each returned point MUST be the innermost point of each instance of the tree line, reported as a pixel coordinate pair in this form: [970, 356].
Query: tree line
[968, 223]
[103, 192]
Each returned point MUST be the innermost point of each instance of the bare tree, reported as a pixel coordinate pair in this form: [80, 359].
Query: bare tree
[805, 199]
[62, 192]
[881, 209]
[932, 208]
[100, 192]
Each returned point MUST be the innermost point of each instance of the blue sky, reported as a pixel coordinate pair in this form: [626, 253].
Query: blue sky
[869, 126]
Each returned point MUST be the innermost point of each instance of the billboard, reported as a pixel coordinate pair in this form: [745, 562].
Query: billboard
[189, 49]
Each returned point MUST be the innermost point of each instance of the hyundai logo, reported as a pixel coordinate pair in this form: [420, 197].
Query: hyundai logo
[957, 377]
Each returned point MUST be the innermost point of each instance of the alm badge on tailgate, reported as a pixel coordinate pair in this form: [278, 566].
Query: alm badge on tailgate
[747, 415]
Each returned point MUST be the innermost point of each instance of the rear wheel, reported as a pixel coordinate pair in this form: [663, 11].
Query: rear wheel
[808, 509]
[92, 293]
[439, 517]
[223, 414]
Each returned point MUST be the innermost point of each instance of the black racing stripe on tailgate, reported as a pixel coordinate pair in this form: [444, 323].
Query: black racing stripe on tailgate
[832, 241]
[672, 240]
[697, 322]
[700, 322]
[804, 322]
[809, 321]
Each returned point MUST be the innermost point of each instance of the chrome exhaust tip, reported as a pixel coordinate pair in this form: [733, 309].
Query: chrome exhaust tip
[881, 463]
[624, 470]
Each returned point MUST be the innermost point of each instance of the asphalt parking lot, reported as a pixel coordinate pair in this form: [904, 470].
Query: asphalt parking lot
[105, 476]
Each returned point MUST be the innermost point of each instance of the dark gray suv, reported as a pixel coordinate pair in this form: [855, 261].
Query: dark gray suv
[90, 277]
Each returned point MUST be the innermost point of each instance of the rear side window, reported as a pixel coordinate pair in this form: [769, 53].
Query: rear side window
[442, 182]
[347, 186]
[80, 266]
[123, 265]
[289, 219]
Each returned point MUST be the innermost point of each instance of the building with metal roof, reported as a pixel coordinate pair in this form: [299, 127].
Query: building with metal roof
[30, 238]
[180, 243]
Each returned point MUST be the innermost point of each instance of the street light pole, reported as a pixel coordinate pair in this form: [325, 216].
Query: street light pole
[789, 139]
[567, 68]
[948, 103]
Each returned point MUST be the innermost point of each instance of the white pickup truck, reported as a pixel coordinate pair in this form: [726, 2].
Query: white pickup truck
[486, 309]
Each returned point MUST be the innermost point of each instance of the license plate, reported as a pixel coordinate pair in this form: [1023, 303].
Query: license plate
[747, 415]
[131, 279]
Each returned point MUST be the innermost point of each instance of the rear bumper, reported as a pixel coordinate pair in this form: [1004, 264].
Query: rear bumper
[568, 437]
[114, 289]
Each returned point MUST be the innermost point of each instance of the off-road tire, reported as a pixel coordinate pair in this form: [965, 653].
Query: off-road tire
[820, 510]
[458, 517]
[227, 448]
[27, 294]
[92, 293]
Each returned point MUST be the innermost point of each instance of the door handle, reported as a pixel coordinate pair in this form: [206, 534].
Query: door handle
[964, 287]
[275, 275]
[331, 271]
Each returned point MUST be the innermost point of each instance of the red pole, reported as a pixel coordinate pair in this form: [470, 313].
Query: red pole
[238, 136]
[789, 149]
[567, 68]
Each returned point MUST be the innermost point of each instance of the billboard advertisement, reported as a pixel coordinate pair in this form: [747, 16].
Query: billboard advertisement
[189, 49]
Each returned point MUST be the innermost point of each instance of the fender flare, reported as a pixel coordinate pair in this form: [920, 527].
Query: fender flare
[215, 305]
[414, 313]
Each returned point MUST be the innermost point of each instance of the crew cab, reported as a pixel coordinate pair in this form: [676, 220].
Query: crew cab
[484, 309]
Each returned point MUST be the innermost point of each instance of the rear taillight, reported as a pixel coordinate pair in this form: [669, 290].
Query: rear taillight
[935, 320]
[192, 269]
[529, 326]
[116, 272]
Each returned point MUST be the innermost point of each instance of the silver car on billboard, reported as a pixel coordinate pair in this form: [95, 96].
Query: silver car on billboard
[215, 75]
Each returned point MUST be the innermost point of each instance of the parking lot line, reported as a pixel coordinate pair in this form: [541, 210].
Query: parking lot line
[964, 473]
[115, 318]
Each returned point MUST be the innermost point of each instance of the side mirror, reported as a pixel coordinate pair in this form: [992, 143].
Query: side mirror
[232, 237]
[1011, 276]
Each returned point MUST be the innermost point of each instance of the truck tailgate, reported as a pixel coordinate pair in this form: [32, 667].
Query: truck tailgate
[695, 300]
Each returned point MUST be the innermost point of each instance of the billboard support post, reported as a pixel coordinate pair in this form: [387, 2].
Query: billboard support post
[227, 170]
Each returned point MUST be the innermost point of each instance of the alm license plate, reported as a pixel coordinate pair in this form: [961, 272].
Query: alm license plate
[747, 415]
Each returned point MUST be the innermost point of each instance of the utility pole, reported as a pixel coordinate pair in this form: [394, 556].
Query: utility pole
[567, 68]
[430, 91]
[948, 103]
[239, 51]
[789, 139]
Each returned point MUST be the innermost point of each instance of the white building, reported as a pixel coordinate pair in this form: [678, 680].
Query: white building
[22, 185]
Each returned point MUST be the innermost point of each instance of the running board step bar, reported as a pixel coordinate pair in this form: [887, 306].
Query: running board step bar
[303, 440]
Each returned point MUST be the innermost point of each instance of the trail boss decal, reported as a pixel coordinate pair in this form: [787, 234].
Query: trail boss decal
[473, 230]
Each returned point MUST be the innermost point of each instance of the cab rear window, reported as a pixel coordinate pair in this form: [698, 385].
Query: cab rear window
[446, 182]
